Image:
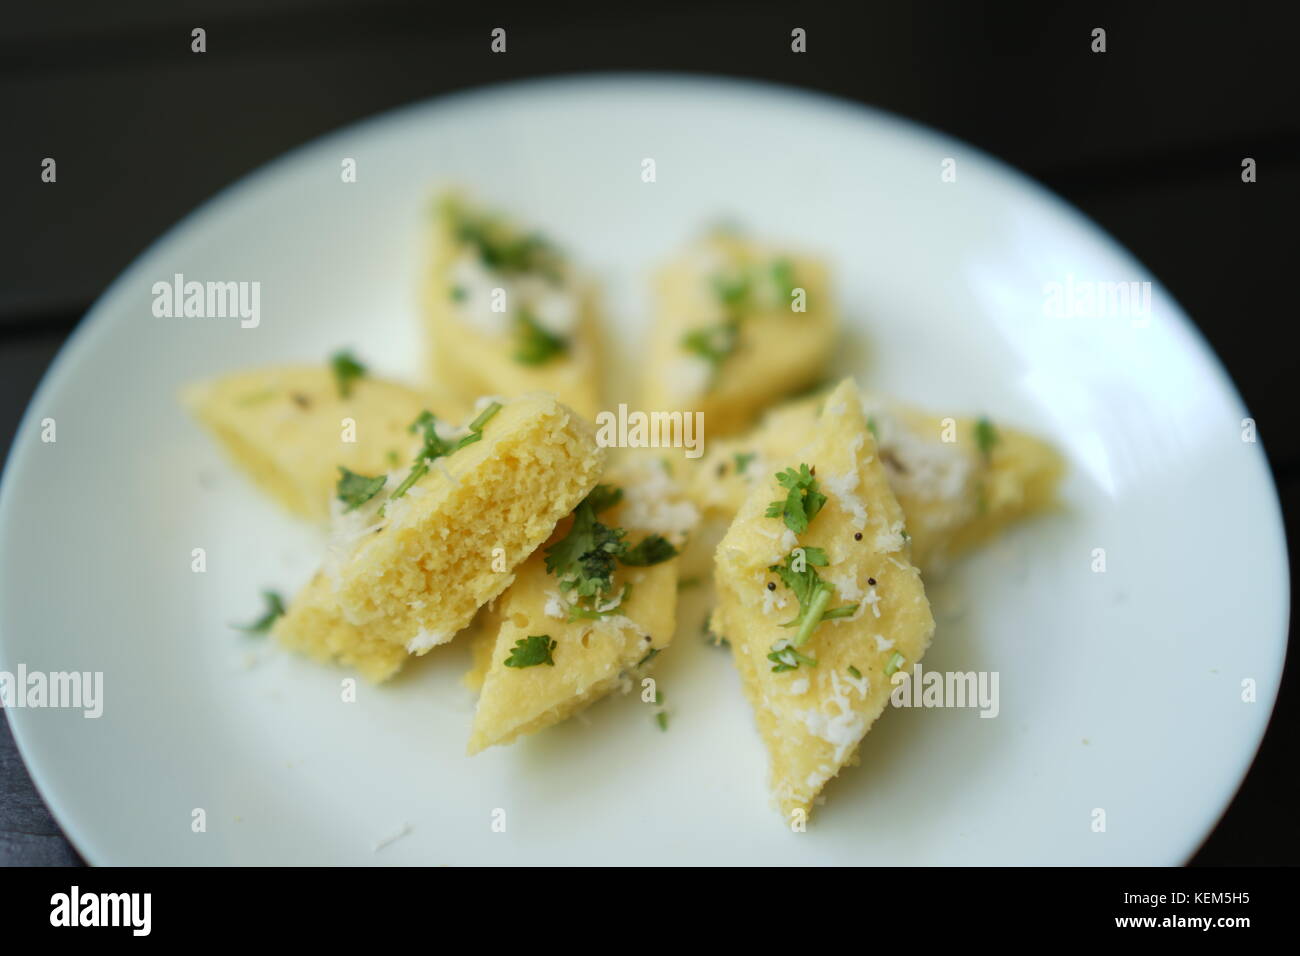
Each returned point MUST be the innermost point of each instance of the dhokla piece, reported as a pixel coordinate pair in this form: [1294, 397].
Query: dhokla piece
[845, 585]
[506, 312]
[955, 493]
[738, 325]
[582, 648]
[412, 564]
[290, 428]
[314, 625]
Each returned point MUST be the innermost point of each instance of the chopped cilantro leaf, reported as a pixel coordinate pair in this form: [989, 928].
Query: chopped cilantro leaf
[743, 459]
[583, 560]
[535, 345]
[435, 446]
[661, 719]
[652, 549]
[986, 436]
[484, 417]
[782, 274]
[732, 290]
[604, 497]
[785, 658]
[802, 501]
[713, 343]
[811, 591]
[355, 490]
[855, 672]
[532, 650]
[346, 371]
[274, 609]
[894, 664]
[501, 247]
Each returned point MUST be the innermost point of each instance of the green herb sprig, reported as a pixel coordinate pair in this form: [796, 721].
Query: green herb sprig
[531, 651]
[799, 574]
[355, 490]
[274, 609]
[584, 559]
[802, 501]
[346, 370]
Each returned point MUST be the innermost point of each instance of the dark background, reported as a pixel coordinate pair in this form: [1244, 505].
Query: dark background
[1147, 138]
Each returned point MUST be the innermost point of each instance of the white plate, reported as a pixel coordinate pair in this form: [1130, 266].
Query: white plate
[1119, 690]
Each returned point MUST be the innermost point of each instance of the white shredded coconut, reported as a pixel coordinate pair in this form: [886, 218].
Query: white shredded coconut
[844, 729]
[873, 599]
[555, 606]
[476, 283]
[425, 640]
[689, 376]
[929, 469]
[772, 601]
[654, 504]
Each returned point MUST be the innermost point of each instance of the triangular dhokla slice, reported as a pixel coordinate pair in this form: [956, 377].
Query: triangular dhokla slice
[549, 656]
[959, 480]
[289, 428]
[850, 563]
[413, 563]
[506, 312]
[738, 325]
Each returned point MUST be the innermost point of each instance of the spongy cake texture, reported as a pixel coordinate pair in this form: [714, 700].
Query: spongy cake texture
[451, 543]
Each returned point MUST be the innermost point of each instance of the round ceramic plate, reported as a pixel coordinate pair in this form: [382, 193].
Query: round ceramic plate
[1133, 697]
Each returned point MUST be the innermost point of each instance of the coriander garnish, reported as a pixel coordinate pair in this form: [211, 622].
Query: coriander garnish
[274, 609]
[782, 274]
[986, 436]
[584, 559]
[713, 343]
[785, 658]
[895, 662]
[355, 490]
[435, 446]
[531, 651]
[652, 549]
[346, 371]
[498, 245]
[534, 344]
[855, 672]
[743, 459]
[811, 591]
[802, 501]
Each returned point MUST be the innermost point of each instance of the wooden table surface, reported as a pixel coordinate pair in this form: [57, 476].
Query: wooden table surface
[1146, 138]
